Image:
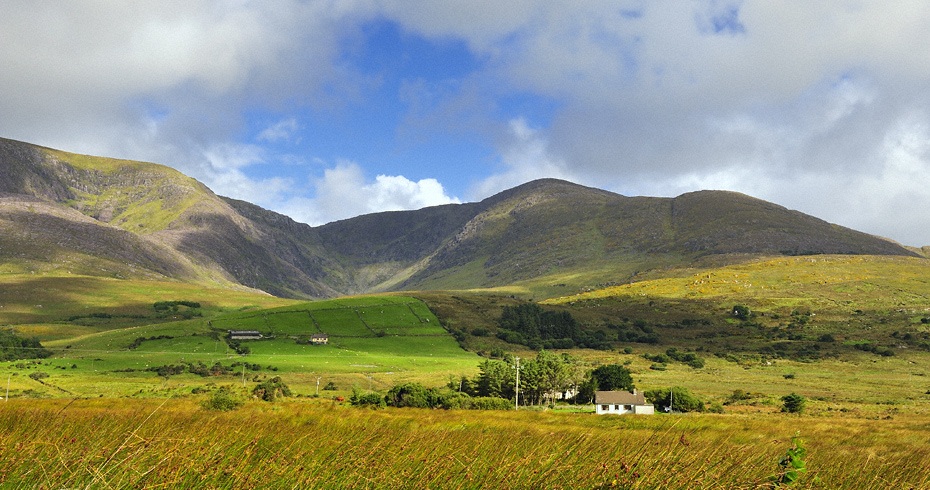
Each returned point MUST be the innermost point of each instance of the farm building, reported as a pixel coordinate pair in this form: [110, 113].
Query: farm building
[621, 402]
[244, 335]
[319, 339]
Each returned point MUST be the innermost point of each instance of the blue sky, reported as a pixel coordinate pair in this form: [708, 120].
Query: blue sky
[324, 110]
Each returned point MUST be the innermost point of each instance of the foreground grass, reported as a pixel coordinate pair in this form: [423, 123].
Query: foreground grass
[320, 444]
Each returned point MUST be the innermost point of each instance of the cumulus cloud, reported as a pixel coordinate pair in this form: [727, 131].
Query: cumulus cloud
[816, 106]
[524, 157]
[791, 102]
[169, 82]
[344, 192]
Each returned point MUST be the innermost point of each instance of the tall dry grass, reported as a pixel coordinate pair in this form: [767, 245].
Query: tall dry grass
[120, 443]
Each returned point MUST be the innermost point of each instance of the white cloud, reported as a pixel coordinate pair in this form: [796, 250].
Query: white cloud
[791, 101]
[344, 192]
[799, 102]
[524, 157]
[281, 131]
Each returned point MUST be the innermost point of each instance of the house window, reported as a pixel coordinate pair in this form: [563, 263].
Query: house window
[628, 407]
[605, 407]
[616, 407]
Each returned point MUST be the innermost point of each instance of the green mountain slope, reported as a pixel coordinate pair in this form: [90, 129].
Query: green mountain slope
[131, 219]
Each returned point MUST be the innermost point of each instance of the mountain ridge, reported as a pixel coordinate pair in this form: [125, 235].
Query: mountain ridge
[154, 221]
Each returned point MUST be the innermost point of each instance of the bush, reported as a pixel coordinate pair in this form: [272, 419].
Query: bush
[372, 400]
[742, 312]
[38, 375]
[490, 403]
[223, 400]
[412, 395]
[793, 403]
[271, 390]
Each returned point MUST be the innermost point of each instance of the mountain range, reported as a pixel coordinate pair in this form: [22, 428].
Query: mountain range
[64, 213]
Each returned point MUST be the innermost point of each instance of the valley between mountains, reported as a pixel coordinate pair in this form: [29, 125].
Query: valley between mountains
[122, 283]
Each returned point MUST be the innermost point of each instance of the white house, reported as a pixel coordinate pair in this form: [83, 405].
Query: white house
[621, 402]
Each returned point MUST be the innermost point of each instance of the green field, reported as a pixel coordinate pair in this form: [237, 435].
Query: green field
[373, 341]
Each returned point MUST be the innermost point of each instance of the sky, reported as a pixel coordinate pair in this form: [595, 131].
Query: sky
[327, 109]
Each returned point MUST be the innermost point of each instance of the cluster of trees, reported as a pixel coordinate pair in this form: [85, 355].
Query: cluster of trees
[542, 379]
[676, 399]
[530, 325]
[14, 347]
[201, 369]
[172, 308]
[138, 340]
[673, 354]
[415, 395]
[639, 332]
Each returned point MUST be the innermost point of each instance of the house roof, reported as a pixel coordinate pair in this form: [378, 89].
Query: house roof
[319, 336]
[619, 398]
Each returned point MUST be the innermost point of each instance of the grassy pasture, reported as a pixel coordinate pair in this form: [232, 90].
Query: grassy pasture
[374, 342]
[320, 444]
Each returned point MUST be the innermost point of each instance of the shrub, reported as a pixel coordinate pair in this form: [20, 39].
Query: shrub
[330, 386]
[38, 375]
[372, 400]
[737, 396]
[742, 312]
[223, 400]
[490, 403]
[791, 465]
[271, 390]
[410, 395]
[793, 403]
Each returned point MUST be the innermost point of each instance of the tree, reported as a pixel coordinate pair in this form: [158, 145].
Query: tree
[553, 373]
[793, 403]
[496, 379]
[676, 399]
[611, 377]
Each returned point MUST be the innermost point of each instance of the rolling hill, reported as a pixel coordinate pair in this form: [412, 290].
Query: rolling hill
[95, 216]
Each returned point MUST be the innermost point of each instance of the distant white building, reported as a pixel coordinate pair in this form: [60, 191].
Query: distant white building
[621, 402]
[245, 335]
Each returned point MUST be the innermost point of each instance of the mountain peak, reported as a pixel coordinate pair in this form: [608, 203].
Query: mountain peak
[148, 220]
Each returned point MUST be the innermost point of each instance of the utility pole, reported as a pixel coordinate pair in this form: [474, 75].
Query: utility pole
[318, 386]
[7, 388]
[516, 402]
